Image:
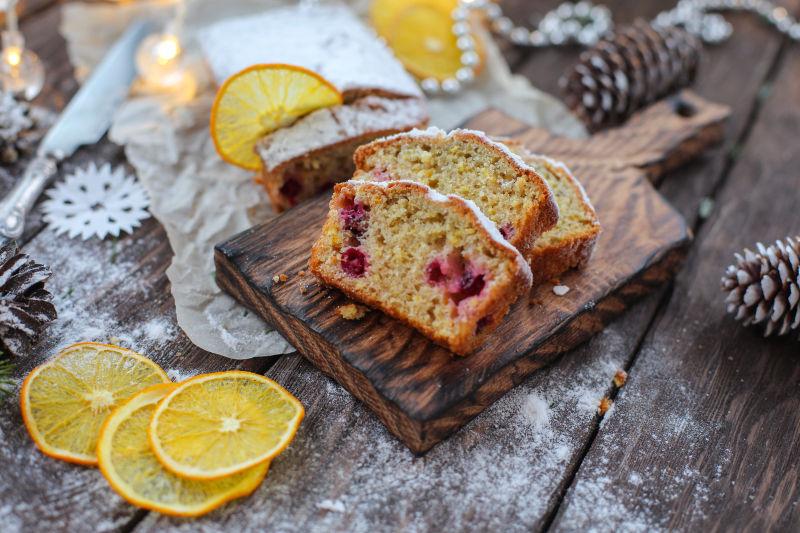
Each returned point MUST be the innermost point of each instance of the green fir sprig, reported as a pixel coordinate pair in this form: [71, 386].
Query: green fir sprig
[6, 378]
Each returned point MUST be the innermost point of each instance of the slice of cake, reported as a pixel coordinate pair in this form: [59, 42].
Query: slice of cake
[571, 243]
[380, 98]
[433, 261]
[468, 164]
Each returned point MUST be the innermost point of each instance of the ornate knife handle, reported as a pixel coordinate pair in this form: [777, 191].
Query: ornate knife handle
[18, 203]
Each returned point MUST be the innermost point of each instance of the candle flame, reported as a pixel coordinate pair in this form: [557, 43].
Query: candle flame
[167, 49]
[12, 56]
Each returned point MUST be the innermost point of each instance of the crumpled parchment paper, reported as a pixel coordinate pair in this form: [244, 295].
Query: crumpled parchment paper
[199, 199]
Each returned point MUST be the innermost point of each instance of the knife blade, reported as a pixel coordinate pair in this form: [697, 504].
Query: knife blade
[84, 121]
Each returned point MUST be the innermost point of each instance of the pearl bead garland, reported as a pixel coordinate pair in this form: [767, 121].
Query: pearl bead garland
[585, 23]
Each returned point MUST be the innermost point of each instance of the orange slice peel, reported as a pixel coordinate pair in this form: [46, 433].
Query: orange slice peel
[261, 99]
[65, 401]
[127, 462]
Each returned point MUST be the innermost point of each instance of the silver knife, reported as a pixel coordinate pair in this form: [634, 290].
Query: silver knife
[85, 120]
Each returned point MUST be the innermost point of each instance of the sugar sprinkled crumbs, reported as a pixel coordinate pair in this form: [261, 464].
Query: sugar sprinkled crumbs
[536, 411]
[334, 506]
[560, 290]
[603, 406]
[352, 311]
[177, 375]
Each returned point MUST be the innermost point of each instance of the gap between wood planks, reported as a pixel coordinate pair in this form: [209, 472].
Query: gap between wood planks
[663, 301]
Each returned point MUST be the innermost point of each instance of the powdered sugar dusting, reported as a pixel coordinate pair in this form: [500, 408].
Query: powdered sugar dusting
[328, 39]
[329, 126]
[335, 506]
[621, 487]
[499, 473]
[86, 292]
[558, 166]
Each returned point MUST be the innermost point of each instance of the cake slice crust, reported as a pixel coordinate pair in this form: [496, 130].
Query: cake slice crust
[469, 164]
[570, 244]
[432, 261]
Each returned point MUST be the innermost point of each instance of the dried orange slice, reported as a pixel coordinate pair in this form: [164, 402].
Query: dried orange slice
[215, 425]
[261, 99]
[422, 39]
[127, 461]
[383, 13]
[65, 401]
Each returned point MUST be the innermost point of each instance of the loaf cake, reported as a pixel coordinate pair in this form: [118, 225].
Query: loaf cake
[571, 242]
[468, 164]
[315, 151]
[432, 261]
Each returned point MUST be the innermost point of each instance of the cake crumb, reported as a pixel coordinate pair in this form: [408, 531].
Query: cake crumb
[560, 290]
[335, 506]
[620, 378]
[352, 311]
[279, 278]
[604, 406]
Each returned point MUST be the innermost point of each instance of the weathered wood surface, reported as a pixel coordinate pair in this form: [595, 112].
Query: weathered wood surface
[419, 390]
[342, 454]
[711, 417]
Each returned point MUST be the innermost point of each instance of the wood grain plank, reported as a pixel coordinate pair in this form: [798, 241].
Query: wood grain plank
[705, 436]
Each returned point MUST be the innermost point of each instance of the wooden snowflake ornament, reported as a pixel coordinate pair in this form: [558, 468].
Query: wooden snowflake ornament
[97, 202]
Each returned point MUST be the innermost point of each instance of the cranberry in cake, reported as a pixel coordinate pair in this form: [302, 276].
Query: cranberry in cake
[433, 261]
[468, 164]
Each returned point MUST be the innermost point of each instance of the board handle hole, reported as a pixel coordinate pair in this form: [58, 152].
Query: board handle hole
[683, 108]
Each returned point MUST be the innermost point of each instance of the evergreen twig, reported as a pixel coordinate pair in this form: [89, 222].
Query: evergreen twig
[6, 379]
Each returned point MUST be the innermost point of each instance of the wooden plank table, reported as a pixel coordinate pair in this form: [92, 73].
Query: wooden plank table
[704, 435]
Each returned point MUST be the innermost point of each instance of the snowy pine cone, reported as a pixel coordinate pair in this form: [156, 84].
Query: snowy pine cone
[25, 304]
[763, 287]
[628, 70]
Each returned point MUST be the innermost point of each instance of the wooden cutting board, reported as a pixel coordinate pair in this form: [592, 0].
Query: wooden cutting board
[420, 391]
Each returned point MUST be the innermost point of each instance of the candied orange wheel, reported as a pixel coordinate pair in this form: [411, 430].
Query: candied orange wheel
[65, 401]
[261, 99]
[215, 425]
[127, 462]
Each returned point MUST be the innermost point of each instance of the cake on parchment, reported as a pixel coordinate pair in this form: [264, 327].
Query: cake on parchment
[433, 261]
[471, 165]
[380, 98]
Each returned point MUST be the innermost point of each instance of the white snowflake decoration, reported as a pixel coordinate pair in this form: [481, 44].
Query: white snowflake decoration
[96, 201]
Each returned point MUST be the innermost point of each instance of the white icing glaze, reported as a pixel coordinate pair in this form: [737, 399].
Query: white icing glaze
[328, 126]
[483, 220]
[565, 168]
[327, 39]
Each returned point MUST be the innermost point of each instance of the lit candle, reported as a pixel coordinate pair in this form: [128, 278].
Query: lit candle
[159, 58]
[21, 71]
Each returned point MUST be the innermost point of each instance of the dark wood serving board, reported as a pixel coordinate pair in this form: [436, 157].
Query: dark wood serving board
[420, 391]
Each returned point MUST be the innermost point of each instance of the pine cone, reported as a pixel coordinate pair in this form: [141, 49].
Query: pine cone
[25, 304]
[21, 127]
[629, 70]
[763, 287]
